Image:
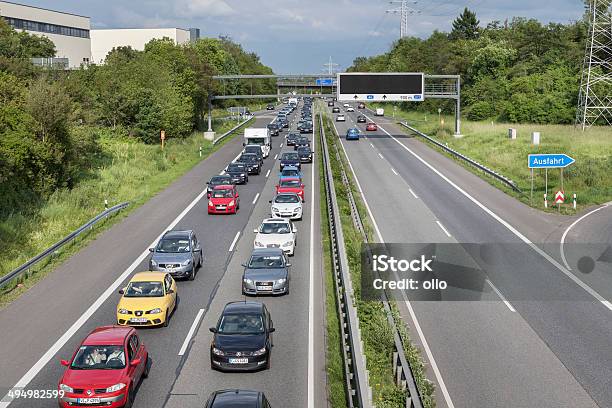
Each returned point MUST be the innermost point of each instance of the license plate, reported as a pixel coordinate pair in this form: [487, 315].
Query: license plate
[138, 320]
[264, 288]
[238, 360]
[88, 400]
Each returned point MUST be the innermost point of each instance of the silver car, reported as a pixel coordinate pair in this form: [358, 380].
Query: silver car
[286, 205]
[178, 253]
[266, 273]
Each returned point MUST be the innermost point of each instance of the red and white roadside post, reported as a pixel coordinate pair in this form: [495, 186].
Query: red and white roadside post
[574, 201]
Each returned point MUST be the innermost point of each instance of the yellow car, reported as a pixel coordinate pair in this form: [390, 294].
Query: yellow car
[148, 300]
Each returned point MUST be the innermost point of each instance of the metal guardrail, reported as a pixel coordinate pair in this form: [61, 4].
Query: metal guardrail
[401, 368]
[471, 161]
[4, 280]
[232, 130]
[357, 388]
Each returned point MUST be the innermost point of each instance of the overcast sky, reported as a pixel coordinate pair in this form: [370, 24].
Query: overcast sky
[299, 36]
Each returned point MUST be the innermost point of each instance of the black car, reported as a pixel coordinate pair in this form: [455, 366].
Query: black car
[282, 123]
[242, 338]
[251, 162]
[301, 142]
[291, 138]
[237, 398]
[336, 110]
[361, 119]
[273, 127]
[238, 172]
[270, 107]
[256, 150]
[290, 159]
[306, 127]
[305, 154]
[221, 180]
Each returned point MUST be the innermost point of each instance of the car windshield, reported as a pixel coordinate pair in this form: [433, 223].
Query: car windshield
[290, 156]
[286, 198]
[274, 228]
[173, 245]
[235, 167]
[292, 136]
[218, 180]
[225, 193]
[99, 358]
[144, 289]
[290, 183]
[290, 173]
[266, 261]
[241, 324]
[272, 126]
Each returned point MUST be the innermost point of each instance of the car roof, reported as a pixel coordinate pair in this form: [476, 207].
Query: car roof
[230, 398]
[149, 276]
[107, 335]
[242, 306]
[178, 233]
[276, 220]
[287, 193]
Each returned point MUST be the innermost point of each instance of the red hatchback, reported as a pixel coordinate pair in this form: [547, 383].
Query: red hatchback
[291, 185]
[105, 370]
[371, 126]
[224, 200]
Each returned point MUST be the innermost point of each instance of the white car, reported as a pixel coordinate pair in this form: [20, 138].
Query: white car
[340, 118]
[350, 109]
[287, 205]
[276, 233]
[346, 105]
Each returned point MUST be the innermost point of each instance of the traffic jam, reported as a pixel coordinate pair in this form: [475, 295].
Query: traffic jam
[109, 364]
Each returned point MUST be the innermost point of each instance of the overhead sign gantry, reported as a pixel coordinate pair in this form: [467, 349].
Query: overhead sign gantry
[381, 86]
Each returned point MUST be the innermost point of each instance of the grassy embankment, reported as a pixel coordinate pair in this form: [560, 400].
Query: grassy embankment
[487, 142]
[126, 170]
[377, 334]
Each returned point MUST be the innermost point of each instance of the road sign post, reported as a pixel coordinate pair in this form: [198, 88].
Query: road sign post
[548, 161]
[162, 136]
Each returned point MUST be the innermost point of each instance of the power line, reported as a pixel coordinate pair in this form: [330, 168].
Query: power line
[403, 10]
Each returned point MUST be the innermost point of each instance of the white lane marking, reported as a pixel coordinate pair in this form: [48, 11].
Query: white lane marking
[562, 243]
[231, 248]
[372, 145]
[415, 321]
[516, 232]
[413, 194]
[443, 229]
[267, 173]
[276, 156]
[394, 172]
[512, 309]
[381, 156]
[311, 401]
[55, 348]
[256, 197]
[191, 331]
[281, 146]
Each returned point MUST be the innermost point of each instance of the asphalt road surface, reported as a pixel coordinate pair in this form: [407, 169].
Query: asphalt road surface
[47, 323]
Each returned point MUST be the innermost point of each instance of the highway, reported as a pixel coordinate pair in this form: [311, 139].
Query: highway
[47, 323]
[539, 337]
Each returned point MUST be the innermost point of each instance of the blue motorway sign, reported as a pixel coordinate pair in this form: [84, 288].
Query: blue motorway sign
[325, 82]
[549, 161]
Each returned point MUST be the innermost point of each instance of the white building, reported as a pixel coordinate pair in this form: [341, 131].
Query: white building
[104, 40]
[69, 32]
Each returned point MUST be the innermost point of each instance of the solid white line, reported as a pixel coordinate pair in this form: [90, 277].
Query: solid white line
[415, 321]
[394, 172]
[276, 156]
[311, 374]
[512, 309]
[562, 243]
[256, 197]
[372, 145]
[55, 348]
[523, 238]
[412, 192]
[267, 173]
[442, 227]
[231, 248]
[191, 331]
[381, 156]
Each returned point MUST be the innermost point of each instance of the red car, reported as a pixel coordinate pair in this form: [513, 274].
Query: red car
[224, 200]
[105, 370]
[371, 126]
[291, 185]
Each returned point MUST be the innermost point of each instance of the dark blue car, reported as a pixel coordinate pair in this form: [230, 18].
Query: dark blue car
[352, 134]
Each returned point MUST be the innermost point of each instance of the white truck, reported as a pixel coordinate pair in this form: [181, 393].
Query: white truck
[260, 137]
[380, 112]
[293, 101]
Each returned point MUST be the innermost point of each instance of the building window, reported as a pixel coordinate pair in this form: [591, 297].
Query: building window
[21, 24]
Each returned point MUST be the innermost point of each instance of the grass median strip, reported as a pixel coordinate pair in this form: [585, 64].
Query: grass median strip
[125, 170]
[376, 332]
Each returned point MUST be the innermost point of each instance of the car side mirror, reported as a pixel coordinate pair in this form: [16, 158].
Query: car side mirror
[272, 329]
[244, 264]
[65, 363]
[212, 329]
[208, 182]
[151, 249]
[170, 291]
[255, 230]
[135, 362]
[287, 265]
[270, 201]
[294, 229]
[121, 291]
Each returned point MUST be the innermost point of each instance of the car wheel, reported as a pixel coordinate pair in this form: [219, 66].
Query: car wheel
[269, 362]
[201, 259]
[129, 399]
[145, 373]
[166, 320]
[192, 273]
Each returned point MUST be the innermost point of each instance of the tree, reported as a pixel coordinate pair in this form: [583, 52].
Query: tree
[466, 26]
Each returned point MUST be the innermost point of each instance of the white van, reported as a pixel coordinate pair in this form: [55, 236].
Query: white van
[380, 112]
[260, 137]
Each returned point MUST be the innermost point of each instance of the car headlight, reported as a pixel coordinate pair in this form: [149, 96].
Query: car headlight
[217, 352]
[123, 311]
[281, 281]
[153, 263]
[288, 244]
[116, 387]
[242, 174]
[248, 281]
[231, 203]
[275, 209]
[259, 244]
[66, 388]
[260, 351]
[186, 262]
[154, 311]
[210, 203]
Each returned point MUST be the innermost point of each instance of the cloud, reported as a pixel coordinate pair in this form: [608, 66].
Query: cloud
[203, 8]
